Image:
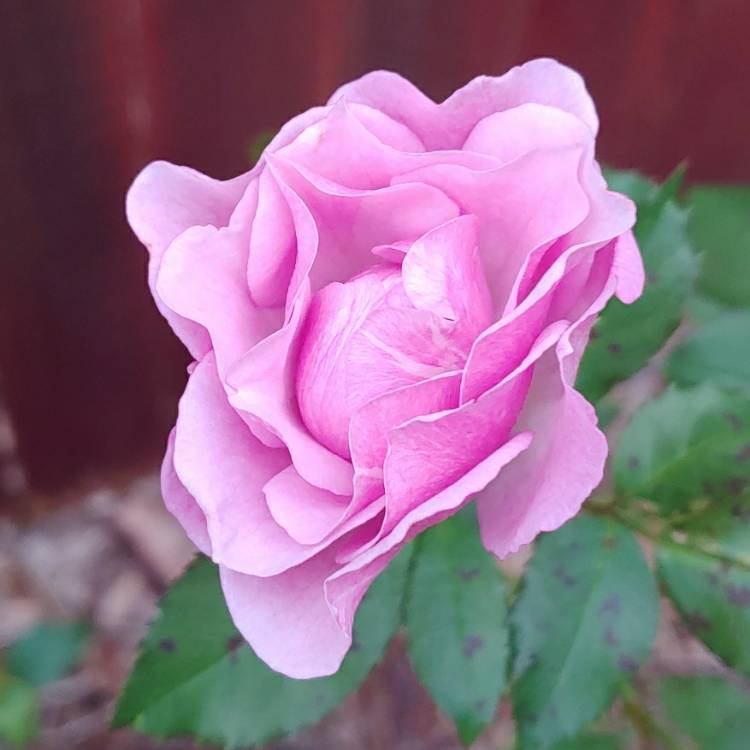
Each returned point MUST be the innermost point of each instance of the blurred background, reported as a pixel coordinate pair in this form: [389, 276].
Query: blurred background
[92, 90]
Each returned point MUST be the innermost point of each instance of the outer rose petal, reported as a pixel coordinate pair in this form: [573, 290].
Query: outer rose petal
[202, 277]
[550, 482]
[225, 468]
[447, 125]
[523, 205]
[181, 504]
[165, 200]
[345, 588]
[286, 618]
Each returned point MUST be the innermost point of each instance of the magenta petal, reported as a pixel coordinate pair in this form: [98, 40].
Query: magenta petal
[181, 504]
[286, 618]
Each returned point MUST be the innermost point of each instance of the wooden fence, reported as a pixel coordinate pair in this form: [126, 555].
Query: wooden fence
[91, 90]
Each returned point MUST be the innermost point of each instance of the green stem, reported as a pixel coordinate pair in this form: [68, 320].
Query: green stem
[661, 537]
[644, 722]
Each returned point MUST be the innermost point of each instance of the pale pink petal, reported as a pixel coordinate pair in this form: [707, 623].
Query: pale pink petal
[628, 268]
[225, 468]
[521, 206]
[264, 382]
[272, 244]
[306, 512]
[286, 618]
[181, 504]
[447, 125]
[202, 278]
[515, 132]
[559, 287]
[442, 273]
[365, 338]
[350, 223]
[371, 423]
[428, 453]
[165, 200]
[345, 587]
[365, 153]
[565, 463]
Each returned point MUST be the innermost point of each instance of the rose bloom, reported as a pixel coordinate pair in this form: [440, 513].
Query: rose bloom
[386, 316]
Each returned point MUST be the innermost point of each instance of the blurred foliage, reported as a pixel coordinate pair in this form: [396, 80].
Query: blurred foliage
[42, 654]
[584, 614]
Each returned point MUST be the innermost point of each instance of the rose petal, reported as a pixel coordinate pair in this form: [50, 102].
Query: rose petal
[428, 453]
[447, 125]
[202, 278]
[307, 513]
[286, 618]
[165, 200]
[514, 132]
[181, 504]
[442, 273]
[565, 463]
[345, 587]
[520, 206]
[272, 245]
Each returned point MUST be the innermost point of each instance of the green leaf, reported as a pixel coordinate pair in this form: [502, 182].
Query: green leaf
[686, 444]
[258, 144]
[585, 619]
[718, 351]
[18, 711]
[456, 620]
[626, 336]
[47, 651]
[720, 228]
[713, 597]
[709, 710]
[591, 742]
[196, 676]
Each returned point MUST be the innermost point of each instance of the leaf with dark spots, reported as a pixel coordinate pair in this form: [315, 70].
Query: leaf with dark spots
[711, 711]
[739, 595]
[215, 689]
[167, 644]
[713, 600]
[684, 448]
[610, 638]
[734, 421]
[612, 610]
[611, 606]
[472, 644]
[716, 351]
[468, 574]
[456, 623]
[627, 663]
[696, 621]
[629, 335]
[563, 576]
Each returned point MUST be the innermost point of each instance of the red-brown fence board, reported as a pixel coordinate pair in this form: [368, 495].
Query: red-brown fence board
[91, 90]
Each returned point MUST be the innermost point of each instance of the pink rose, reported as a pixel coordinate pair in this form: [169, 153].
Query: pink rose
[386, 315]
